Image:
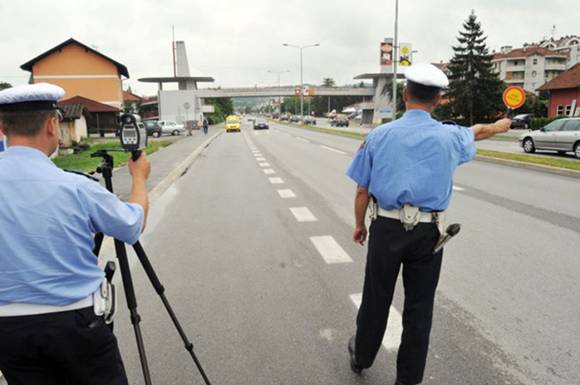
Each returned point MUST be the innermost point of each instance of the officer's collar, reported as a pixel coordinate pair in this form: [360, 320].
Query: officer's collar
[417, 113]
[25, 151]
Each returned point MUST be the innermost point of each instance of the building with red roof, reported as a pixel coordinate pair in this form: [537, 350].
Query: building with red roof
[564, 93]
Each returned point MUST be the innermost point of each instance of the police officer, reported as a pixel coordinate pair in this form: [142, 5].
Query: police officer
[49, 332]
[406, 167]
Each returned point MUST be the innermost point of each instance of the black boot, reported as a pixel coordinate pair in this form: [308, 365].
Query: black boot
[353, 364]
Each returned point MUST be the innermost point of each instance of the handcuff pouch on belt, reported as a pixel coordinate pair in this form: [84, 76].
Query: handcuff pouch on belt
[105, 301]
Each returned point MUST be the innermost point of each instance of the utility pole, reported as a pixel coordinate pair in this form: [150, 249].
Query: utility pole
[301, 48]
[395, 58]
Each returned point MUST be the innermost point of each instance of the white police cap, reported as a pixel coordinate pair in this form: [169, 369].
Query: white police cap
[427, 75]
[31, 97]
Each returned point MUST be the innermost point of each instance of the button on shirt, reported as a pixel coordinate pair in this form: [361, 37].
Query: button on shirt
[412, 161]
[47, 221]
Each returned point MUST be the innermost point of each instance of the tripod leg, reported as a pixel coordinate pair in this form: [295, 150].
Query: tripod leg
[132, 305]
[98, 242]
[161, 291]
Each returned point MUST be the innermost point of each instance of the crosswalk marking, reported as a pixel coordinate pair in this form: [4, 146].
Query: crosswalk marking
[276, 180]
[268, 171]
[330, 250]
[286, 193]
[392, 337]
[303, 214]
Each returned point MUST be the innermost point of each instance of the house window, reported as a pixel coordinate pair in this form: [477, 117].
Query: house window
[567, 110]
[535, 61]
[559, 110]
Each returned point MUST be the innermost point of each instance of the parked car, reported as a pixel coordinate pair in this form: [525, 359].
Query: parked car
[294, 119]
[153, 128]
[284, 117]
[260, 124]
[309, 120]
[170, 127]
[339, 121]
[562, 135]
[521, 121]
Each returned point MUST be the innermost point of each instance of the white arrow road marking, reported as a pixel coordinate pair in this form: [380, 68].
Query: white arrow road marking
[286, 193]
[392, 337]
[333, 150]
[302, 214]
[330, 250]
[276, 180]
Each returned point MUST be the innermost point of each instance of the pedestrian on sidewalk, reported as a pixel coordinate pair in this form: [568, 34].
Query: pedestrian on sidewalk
[404, 172]
[52, 331]
[205, 125]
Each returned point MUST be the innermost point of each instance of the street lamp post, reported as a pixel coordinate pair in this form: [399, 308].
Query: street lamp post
[395, 58]
[301, 48]
[279, 98]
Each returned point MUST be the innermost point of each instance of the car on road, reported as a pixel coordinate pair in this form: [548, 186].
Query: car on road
[260, 124]
[170, 127]
[522, 121]
[309, 120]
[233, 124]
[562, 135]
[153, 128]
[339, 121]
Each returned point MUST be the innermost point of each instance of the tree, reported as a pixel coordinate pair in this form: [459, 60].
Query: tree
[474, 87]
[222, 108]
[328, 82]
[4, 85]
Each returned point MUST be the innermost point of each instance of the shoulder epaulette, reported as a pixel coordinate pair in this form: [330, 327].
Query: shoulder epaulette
[82, 174]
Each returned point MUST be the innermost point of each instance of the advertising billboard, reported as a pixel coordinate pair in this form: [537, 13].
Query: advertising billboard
[387, 52]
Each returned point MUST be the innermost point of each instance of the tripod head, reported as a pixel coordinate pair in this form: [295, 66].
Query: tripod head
[106, 166]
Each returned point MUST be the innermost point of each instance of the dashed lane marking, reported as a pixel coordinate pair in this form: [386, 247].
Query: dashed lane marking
[302, 139]
[330, 250]
[333, 149]
[260, 159]
[276, 180]
[457, 188]
[303, 214]
[264, 164]
[286, 193]
[392, 337]
[269, 171]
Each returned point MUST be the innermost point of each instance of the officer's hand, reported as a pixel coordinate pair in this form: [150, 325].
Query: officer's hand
[503, 125]
[140, 168]
[360, 235]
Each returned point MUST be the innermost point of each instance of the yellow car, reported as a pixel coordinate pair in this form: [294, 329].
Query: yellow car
[233, 123]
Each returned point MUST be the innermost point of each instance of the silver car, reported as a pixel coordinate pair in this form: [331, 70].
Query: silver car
[562, 135]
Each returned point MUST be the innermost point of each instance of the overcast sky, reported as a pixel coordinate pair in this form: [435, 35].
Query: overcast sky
[237, 42]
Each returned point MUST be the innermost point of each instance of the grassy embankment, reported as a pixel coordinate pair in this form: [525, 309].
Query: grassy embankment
[83, 161]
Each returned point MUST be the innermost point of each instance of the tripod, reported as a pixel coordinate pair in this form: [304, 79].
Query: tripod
[106, 169]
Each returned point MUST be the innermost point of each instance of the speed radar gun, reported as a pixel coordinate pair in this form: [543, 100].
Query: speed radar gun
[133, 134]
[134, 139]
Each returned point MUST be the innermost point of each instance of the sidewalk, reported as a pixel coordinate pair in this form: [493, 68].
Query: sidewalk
[162, 162]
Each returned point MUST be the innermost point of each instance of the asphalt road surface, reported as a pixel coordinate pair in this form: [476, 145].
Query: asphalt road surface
[253, 245]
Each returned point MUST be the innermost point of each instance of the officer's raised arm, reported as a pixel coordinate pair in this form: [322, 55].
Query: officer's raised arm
[485, 131]
[140, 170]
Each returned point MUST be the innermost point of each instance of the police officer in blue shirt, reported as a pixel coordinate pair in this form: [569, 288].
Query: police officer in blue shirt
[404, 171]
[49, 332]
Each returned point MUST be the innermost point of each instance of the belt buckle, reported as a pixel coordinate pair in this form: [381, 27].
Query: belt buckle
[409, 216]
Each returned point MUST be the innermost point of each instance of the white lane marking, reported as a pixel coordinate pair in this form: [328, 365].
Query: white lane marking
[333, 149]
[264, 164]
[276, 180]
[286, 193]
[269, 171]
[260, 159]
[302, 139]
[392, 337]
[457, 188]
[330, 250]
[303, 214]
[257, 154]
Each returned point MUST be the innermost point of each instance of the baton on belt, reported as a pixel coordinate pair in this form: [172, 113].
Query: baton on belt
[452, 230]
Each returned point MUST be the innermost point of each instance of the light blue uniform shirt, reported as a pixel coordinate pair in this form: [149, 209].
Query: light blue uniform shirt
[47, 221]
[412, 161]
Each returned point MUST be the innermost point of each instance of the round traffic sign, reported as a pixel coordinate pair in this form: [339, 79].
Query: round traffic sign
[514, 97]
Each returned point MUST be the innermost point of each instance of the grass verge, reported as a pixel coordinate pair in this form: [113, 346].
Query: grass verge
[332, 131]
[83, 161]
[540, 160]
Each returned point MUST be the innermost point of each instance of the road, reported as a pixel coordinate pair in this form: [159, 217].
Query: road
[265, 279]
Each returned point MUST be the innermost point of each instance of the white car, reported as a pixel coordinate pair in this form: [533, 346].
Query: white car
[170, 127]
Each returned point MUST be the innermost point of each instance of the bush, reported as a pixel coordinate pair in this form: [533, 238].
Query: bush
[537, 123]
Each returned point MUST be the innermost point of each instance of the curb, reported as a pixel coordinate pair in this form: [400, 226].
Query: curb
[530, 166]
[180, 169]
